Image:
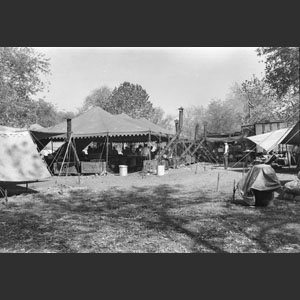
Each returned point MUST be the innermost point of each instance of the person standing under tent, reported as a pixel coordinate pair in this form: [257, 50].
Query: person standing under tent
[226, 154]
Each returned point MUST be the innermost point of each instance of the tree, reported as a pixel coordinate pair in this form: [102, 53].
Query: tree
[98, 97]
[158, 117]
[221, 117]
[282, 68]
[130, 99]
[265, 104]
[20, 71]
[47, 115]
[191, 117]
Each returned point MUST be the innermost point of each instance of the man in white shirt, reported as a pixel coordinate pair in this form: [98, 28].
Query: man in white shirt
[226, 150]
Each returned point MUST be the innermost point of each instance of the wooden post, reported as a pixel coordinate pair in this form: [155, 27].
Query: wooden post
[196, 168]
[234, 189]
[218, 181]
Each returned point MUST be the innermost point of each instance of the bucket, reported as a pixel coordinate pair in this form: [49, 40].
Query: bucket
[263, 198]
[123, 170]
[160, 170]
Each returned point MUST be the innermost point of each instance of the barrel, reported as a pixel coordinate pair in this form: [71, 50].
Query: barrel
[161, 170]
[123, 170]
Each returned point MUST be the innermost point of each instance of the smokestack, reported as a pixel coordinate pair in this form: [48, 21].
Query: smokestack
[205, 130]
[176, 125]
[69, 128]
[180, 118]
[196, 131]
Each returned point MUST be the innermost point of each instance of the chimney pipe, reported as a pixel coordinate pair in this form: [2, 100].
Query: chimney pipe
[176, 125]
[196, 131]
[205, 130]
[69, 128]
[180, 118]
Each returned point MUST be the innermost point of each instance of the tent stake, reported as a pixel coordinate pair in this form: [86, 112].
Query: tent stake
[218, 181]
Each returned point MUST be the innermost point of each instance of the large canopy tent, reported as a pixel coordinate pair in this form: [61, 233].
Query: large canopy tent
[97, 125]
[19, 158]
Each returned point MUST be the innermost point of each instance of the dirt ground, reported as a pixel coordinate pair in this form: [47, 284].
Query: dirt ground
[184, 211]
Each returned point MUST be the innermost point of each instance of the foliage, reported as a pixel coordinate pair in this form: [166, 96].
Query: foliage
[221, 117]
[158, 117]
[191, 117]
[267, 105]
[282, 68]
[130, 99]
[47, 115]
[20, 70]
[98, 97]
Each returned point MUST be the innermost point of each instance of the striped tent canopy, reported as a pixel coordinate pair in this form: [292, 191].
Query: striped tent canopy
[97, 123]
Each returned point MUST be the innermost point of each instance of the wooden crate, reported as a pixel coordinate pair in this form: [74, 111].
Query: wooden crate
[67, 168]
[150, 166]
[88, 167]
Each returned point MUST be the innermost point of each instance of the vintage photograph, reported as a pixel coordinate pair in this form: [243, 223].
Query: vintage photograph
[149, 150]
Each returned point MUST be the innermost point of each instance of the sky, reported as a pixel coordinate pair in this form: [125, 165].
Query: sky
[172, 77]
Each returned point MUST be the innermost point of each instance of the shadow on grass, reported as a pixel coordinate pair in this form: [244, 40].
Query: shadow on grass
[14, 189]
[51, 222]
[90, 221]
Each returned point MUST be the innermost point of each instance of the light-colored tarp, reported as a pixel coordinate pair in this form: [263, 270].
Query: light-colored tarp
[270, 140]
[293, 136]
[19, 158]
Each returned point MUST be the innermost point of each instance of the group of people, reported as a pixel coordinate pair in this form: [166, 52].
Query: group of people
[142, 150]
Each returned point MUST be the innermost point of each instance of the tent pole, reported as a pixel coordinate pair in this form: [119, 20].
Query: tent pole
[64, 157]
[149, 139]
[107, 151]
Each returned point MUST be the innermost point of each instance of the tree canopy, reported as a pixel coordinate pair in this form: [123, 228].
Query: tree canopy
[20, 79]
[130, 99]
[98, 97]
[282, 68]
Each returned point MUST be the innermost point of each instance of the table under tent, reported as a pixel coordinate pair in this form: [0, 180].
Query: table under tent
[100, 133]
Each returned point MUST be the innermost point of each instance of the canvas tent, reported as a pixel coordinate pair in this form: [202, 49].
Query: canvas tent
[270, 140]
[19, 158]
[98, 124]
[293, 136]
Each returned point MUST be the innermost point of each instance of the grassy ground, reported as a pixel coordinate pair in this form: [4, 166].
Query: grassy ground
[182, 211]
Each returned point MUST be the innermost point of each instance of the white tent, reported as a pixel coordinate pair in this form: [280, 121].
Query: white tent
[19, 158]
[270, 140]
